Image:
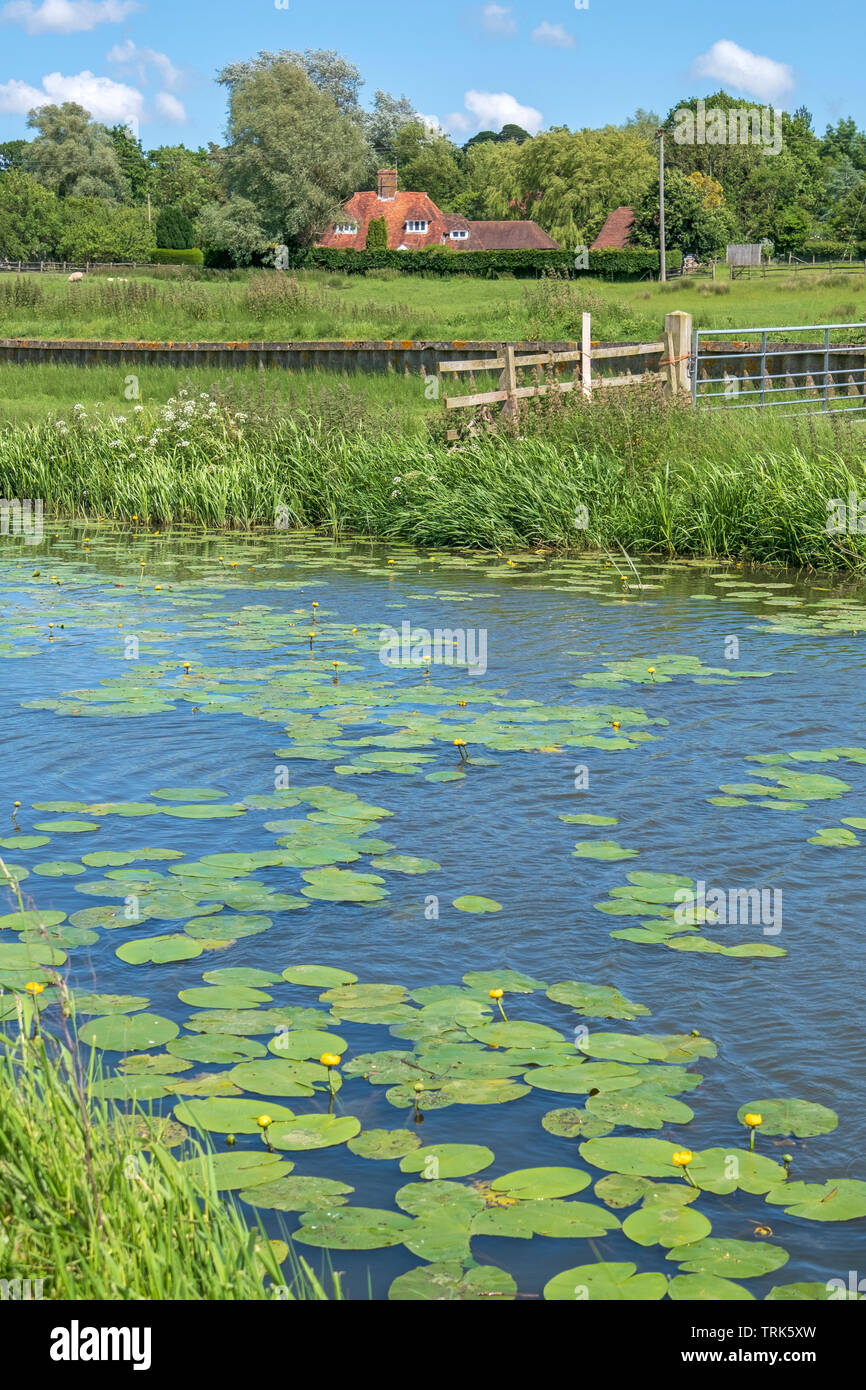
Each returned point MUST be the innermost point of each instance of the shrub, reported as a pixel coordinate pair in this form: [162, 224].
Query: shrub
[377, 234]
[174, 231]
[611, 263]
[192, 256]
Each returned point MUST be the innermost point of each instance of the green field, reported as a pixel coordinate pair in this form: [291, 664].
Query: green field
[385, 305]
[372, 403]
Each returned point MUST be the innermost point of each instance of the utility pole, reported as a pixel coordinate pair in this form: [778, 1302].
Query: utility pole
[662, 255]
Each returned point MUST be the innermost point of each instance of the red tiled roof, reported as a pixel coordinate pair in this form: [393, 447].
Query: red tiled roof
[509, 236]
[406, 207]
[616, 230]
[417, 207]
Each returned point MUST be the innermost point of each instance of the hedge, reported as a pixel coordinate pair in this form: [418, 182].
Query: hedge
[164, 257]
[442, 260]
[827, 250]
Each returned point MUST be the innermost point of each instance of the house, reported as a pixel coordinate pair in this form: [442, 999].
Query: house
[414, 222]
[616, 231]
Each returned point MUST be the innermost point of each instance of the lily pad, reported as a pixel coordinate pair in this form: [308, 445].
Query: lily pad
[294, 1193]
[314, 1131]
[733, 1259]
[128, 1032]
[450, 1281]
[319, 976]
[227, 1115]
[802, 1118]
[669, 1226]
[353, 1228]
[384, 1143]
[158, 950]
[470, 903]
[607, 1282]
[447, 1160]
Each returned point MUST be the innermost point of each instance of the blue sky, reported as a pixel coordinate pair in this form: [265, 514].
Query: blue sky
[470, 65]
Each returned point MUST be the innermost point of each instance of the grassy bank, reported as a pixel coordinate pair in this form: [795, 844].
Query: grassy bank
[96, 1205]
[312, 304]
[384, 402]
[653, 476]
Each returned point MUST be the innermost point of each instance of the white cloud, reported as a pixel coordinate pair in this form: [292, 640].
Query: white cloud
[170, 108]
[493, 110]
[553, 34]
[66, 16]
[105, 100]
[733, 66]
[130, 55]
[432, 123]
[497, 19]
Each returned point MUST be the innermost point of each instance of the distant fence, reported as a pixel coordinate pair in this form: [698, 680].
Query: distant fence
[62, 267]
[760, 272]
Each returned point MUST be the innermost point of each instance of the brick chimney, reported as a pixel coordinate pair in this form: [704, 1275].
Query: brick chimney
[387, 183]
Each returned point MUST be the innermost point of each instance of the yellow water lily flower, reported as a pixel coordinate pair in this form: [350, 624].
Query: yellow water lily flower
[263, 1121]
[496, 993]
[33, 987]
[753, 1120]
[330, 1059]
[682, 1158]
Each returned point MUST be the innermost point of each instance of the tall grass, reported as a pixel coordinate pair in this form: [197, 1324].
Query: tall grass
[654, 475]
[94, 1204]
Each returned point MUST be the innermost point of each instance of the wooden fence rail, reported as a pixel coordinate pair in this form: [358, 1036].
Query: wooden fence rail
[674, 352]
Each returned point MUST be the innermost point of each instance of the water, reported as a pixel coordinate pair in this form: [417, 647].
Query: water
[784, 1027]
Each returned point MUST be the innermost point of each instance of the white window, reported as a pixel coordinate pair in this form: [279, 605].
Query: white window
[346, 228]
[459, 235]
[417, 226]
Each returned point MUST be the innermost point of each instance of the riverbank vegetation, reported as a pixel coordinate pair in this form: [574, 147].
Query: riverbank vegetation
[97, 1204]
[634, 469]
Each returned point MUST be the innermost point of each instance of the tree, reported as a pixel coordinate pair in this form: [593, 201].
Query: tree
[291, 152]
[174, 231]
[73, 155]
[689, 225]
[428, 163]
[384, 122]
[132, 161]
[184, 179]
[12, 154]
[324, 67]
[510, 131]
[92, 229]
[377, 234]
[230, 233]
[29, 218]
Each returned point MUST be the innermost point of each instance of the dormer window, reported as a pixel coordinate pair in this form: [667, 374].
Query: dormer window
[459, 235]
[346, 228]
[417, 226]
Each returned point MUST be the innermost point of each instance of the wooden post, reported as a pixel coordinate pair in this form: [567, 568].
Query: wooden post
[678, 326]
[586, 355]
[509, 383]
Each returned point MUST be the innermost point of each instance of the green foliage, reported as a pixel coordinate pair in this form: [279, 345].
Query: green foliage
[377, 234]
[184, 179]
[132, 161]
[91, 229]
[12, 154]
[689, 226]
[443, 260]
[73, 155]
[292, 153]
[192, 256]
[174, 231]
[29, 218]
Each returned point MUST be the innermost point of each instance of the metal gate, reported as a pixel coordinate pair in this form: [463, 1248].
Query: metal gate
[800, 369]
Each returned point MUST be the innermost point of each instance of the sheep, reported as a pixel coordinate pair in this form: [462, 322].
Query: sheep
[76, 276]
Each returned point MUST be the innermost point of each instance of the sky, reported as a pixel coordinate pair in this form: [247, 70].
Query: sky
[467, 66]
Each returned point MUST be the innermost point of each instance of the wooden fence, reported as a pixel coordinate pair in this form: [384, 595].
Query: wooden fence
[673, 351]
[62, 267]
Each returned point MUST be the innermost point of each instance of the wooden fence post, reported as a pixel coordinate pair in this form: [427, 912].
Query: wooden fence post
[508, 382]
[586, 355]
[678, 347]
